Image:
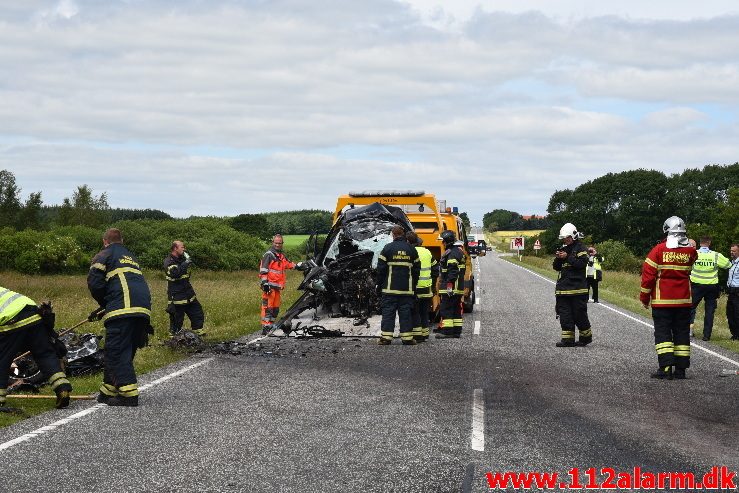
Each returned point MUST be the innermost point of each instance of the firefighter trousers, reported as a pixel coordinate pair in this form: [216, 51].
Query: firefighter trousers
[193, 310]
[573, 312]
[403, 306]
[451, 314]
[270, 308]
[672, 336]
[122, 338]
[421, 308]
[32, 338]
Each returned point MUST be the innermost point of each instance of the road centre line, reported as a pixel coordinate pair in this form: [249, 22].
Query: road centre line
[692, 344]
[478, 421]
[477, 328]
[90, 410]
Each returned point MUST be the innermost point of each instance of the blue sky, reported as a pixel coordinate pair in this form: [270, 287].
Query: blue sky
[225, 107]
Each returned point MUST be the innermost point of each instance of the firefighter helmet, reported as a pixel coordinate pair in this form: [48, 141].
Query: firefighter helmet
[570, 230]
[674, 225]
[448, 237]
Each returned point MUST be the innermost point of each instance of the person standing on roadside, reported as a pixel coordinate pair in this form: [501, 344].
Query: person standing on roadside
[451, 279]
[428, 274]
[594, 271]
[181, 299]
[116, 282]
[665, 282]
[732, 285]
[571, 290]
[272, 280]
[704, 284]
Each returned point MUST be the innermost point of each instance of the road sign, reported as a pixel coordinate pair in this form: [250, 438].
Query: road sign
[518, 243]
[537, 245]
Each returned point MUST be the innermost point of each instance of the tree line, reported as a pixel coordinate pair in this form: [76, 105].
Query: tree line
[505, 220]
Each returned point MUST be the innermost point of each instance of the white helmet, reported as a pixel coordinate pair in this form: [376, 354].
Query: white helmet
[568, 229]
[674, 225]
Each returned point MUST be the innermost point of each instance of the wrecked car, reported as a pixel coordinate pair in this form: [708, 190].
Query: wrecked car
[342, 283]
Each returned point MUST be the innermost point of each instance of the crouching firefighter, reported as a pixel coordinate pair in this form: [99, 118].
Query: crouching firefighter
[27, 327]
[452, 275]
[272, 280]
[181, 299]
[116, 282]
[571, 292]
[424, 288]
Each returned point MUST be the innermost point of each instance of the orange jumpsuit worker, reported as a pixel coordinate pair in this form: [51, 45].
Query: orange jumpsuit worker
[272, 278]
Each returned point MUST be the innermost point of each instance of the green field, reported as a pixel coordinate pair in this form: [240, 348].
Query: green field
[294, 241]
[622, 289]
[231, 301]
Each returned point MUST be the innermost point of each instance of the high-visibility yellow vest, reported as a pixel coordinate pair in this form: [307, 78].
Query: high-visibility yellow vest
[11, 304]
[424, 278]
[706, 266]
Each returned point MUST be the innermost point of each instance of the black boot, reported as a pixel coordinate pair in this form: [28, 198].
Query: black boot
[62, 399]
[679, 373]
[566, 343]
[119, 400]
[663, 373]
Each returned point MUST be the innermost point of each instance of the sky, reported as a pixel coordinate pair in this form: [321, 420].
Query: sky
[220, 107]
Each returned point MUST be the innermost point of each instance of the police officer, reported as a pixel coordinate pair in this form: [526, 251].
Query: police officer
[398, 270]
[22, 328]
[665, 282]
[428, 274]
[180, 294]
[451, 280]
[704, 283]
[594, 271]
[116, 282]
[571, 291]
[272, 279]
[732, 285]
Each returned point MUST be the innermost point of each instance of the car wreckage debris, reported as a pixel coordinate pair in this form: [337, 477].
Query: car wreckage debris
[288, 347]
[185, 339]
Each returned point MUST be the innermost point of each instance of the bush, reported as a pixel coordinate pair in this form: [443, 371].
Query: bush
[618, 257]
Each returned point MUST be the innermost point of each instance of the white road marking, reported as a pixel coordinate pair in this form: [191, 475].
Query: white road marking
[477, 328]
[477, 300]
[81, 414]
[478, 421]
[692, 343]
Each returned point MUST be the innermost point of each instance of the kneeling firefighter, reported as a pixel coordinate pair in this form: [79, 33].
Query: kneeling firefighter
[453, 267]
[27, 327]
[571, 292]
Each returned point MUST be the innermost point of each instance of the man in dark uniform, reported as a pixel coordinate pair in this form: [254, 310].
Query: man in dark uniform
[571, 260]
[398, 269]
[22, 328]
[116, 282]
[180, 294]
[453, 266]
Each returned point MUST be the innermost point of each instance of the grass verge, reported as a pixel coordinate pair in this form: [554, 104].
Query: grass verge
[231, 301]
[622, 289]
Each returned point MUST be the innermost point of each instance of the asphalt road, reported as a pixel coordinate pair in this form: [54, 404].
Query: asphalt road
[347, 415]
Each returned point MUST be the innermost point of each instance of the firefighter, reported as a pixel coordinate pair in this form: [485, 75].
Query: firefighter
[398, 269]
[116, 282]
[665, 282]
[180, 294]
[24, 327]
[704, 284]
[272, 279]
[571, 291]
[429, 272]
[451, 281]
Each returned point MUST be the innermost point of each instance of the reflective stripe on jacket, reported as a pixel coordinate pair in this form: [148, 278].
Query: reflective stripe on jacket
[116, 282]
[398, 268]
[571, 280]
[706, 266]
[429, 268]
[11, 304]
[272, 268]
[665, 278]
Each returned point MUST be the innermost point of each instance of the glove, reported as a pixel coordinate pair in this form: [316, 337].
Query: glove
[300, 266]
[96, 314]
[187, 261]
[186, 255]
[265, 287]
[450, 289]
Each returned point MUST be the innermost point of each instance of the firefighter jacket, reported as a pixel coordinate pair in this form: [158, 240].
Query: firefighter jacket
[571, 280]
[453, 268]
[272, 268]
[116, 282]
[179, 289]
[11, 306]
[706, 266]
[665, 276]
[429, 271]
[398, 268]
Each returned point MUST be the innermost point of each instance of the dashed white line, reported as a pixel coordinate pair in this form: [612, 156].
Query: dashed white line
[477, 328]
[642, 322]
[90, 410]
[478, 421]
